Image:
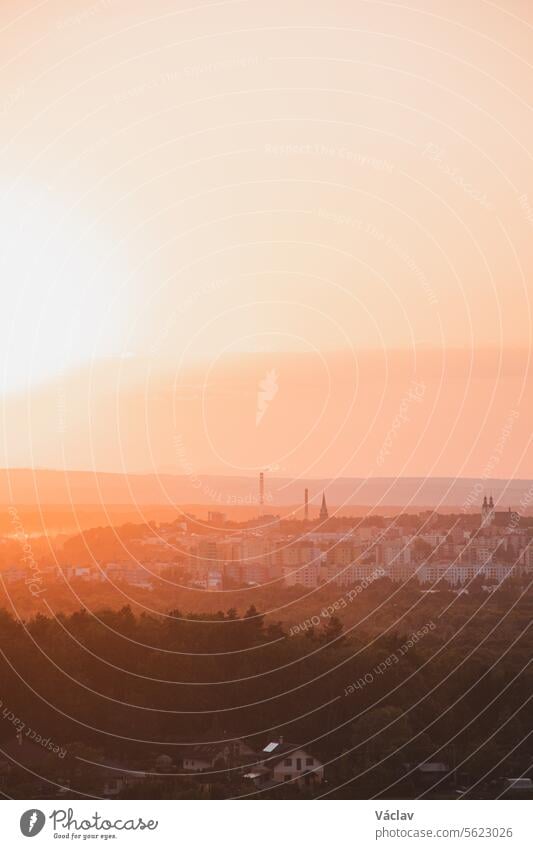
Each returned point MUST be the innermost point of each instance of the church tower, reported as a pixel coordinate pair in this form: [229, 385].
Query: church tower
[487, 512]
[323, 510]
[484, 511]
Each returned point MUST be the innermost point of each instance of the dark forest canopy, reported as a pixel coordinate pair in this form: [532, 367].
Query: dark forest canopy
[128, 687]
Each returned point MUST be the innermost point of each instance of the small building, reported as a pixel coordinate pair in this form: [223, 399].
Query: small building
[518, 785]
[120, 780]
[290, 762]
[230, 754]
[433, 772]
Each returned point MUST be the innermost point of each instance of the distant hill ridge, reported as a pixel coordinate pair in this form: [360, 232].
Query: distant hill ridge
[46, 487]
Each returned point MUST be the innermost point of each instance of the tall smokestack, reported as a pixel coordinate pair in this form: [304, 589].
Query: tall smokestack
[306, 505]
[261, 490]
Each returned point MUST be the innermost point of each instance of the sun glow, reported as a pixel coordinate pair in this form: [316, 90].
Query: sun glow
[58, 289]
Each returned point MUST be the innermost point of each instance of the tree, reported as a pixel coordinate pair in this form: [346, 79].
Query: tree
[332, 630]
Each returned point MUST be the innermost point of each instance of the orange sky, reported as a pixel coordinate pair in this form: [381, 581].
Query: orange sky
[334, 197]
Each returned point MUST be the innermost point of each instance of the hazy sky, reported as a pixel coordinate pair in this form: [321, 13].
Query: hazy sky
[207, 193]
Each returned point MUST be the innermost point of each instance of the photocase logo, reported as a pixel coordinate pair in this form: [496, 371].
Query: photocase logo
[268, 389]
[32, 822]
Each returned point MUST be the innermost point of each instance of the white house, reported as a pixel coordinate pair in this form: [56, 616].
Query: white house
[288, 762]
